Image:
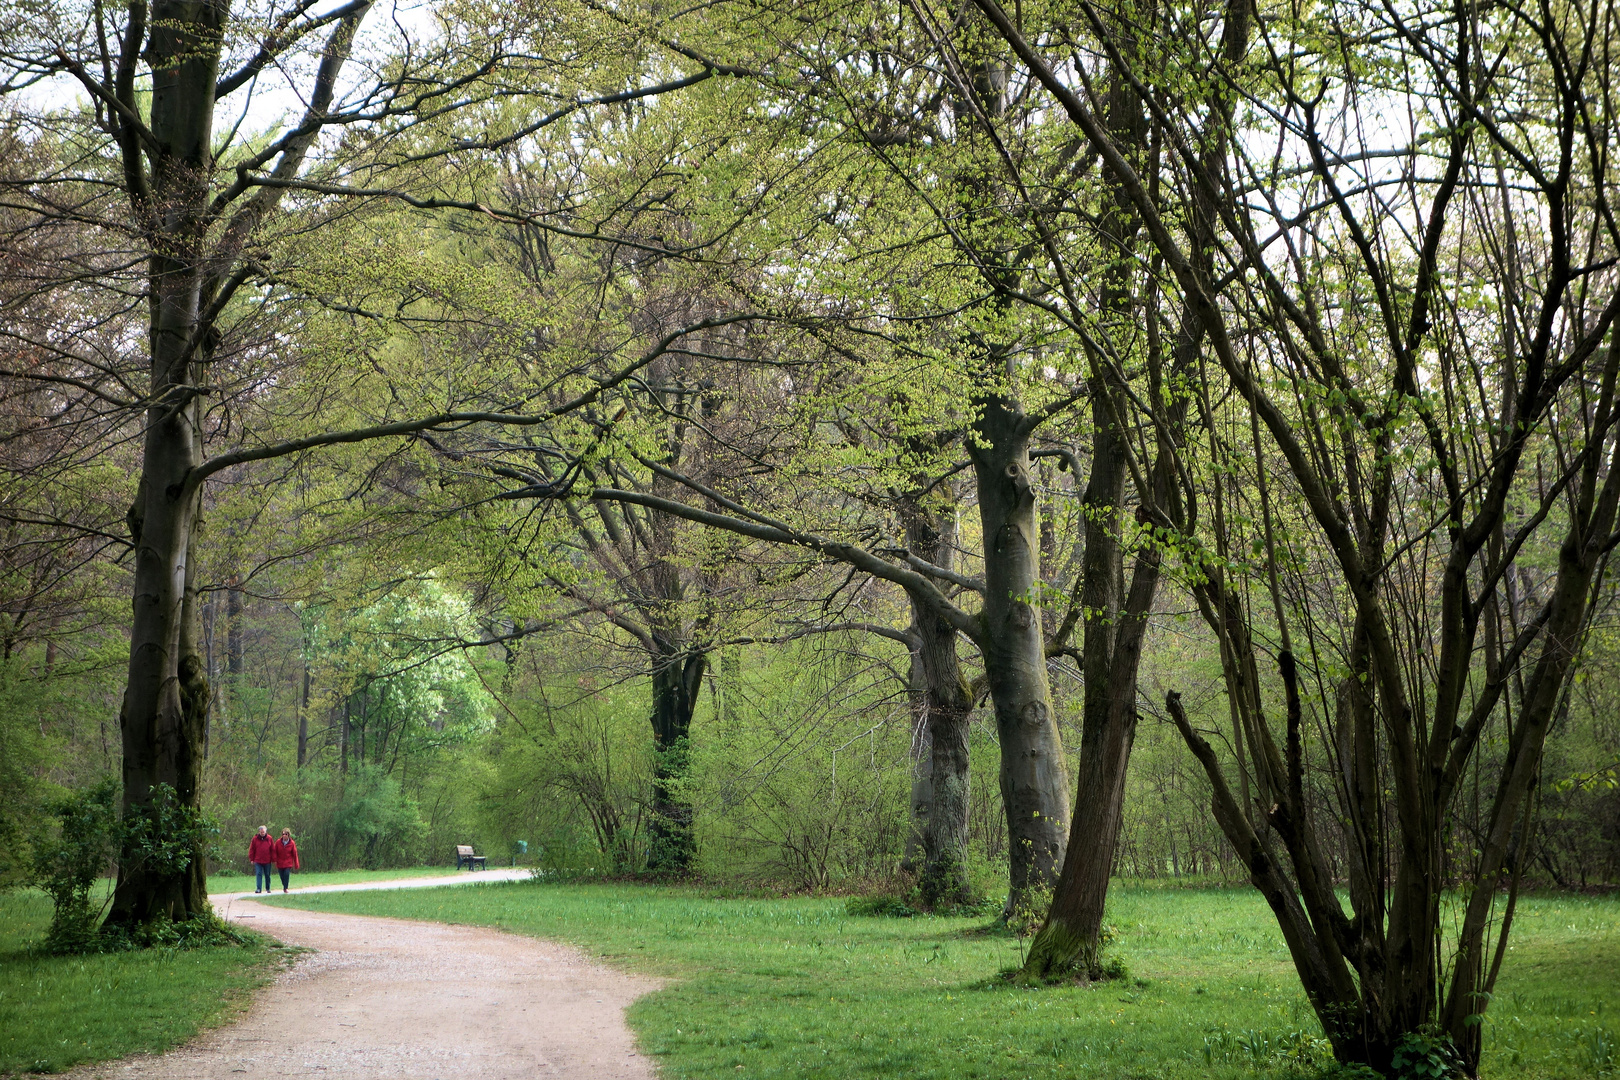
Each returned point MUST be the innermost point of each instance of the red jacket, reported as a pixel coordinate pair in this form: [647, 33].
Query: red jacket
[287, 855]
[261, 849]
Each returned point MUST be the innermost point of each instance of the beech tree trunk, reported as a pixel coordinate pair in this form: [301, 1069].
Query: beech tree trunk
[167, 173]
[165, 708]
[1034, 779]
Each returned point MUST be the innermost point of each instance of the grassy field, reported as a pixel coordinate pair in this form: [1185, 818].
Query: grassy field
[797, 988]
[58, 1011]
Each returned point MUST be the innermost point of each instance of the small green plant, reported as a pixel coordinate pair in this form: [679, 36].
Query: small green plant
[197, 932]
[1337, 1071]
[1595, 1050]
[1258, 1048]
[1026, 918]
[1422, 1055]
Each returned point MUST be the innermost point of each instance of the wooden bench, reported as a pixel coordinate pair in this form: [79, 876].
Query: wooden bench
[465, 857]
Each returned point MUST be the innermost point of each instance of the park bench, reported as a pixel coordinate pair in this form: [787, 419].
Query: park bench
[465, 857]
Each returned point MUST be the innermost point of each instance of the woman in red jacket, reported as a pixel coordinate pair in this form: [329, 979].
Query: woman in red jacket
[262, 854]
[286, 857]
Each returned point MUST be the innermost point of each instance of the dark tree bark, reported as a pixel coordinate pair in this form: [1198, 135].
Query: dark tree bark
[921, 756]
[1071, 937]
[168, 171]
[677, 680]
[345, 733]
[166, 701]
[233, 628]
[643, 590]
[1115, 617]
[303, 718]
[940, 798]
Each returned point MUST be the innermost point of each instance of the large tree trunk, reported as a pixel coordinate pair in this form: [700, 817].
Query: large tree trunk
[677, 681]
[166, 702]
[1034, 779]
[946, 705]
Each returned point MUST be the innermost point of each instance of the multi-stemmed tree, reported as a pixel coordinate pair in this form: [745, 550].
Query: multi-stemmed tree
[1411, 365]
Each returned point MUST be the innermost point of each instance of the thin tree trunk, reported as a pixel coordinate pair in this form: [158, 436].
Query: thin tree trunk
[947, 706]
[233, 627]
[303, 720]
[943, 878]
[922, 760]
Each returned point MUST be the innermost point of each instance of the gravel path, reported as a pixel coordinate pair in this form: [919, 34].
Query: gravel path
[392, 998]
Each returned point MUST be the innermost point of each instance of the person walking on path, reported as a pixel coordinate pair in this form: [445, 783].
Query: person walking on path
[286, 857]
[262, 854]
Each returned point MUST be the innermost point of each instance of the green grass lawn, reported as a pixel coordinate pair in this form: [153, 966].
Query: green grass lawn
[57, 1011]
[797, 988]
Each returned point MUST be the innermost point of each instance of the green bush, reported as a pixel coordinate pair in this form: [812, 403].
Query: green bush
[165, 835]
[372, 822]
[886, 907]
[68, 864]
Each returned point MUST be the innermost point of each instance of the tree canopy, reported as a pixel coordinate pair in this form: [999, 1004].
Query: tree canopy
[714, 442]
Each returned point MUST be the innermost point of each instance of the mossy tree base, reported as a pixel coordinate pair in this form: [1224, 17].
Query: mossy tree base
[1058, 952]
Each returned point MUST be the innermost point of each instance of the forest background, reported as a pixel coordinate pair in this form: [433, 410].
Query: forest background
[715, 443]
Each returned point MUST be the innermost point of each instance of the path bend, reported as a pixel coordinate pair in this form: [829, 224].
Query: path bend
[406, 1000]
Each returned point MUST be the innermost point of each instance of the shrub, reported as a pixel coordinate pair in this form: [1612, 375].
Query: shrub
[882, 907]
[68, 864]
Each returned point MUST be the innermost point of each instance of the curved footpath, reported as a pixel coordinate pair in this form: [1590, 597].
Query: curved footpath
[412, 1000]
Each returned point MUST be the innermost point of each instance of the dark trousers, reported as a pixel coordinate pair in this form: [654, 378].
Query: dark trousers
[286, 876]
[261, 874]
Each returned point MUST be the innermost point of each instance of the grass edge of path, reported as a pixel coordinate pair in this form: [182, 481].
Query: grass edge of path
[64, 1012]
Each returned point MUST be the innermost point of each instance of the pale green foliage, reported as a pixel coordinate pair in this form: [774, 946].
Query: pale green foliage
[24, 756]
[800, 766]
[405, 651]
[571, 768]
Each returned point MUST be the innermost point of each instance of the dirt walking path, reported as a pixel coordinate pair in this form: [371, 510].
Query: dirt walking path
[391, 998]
